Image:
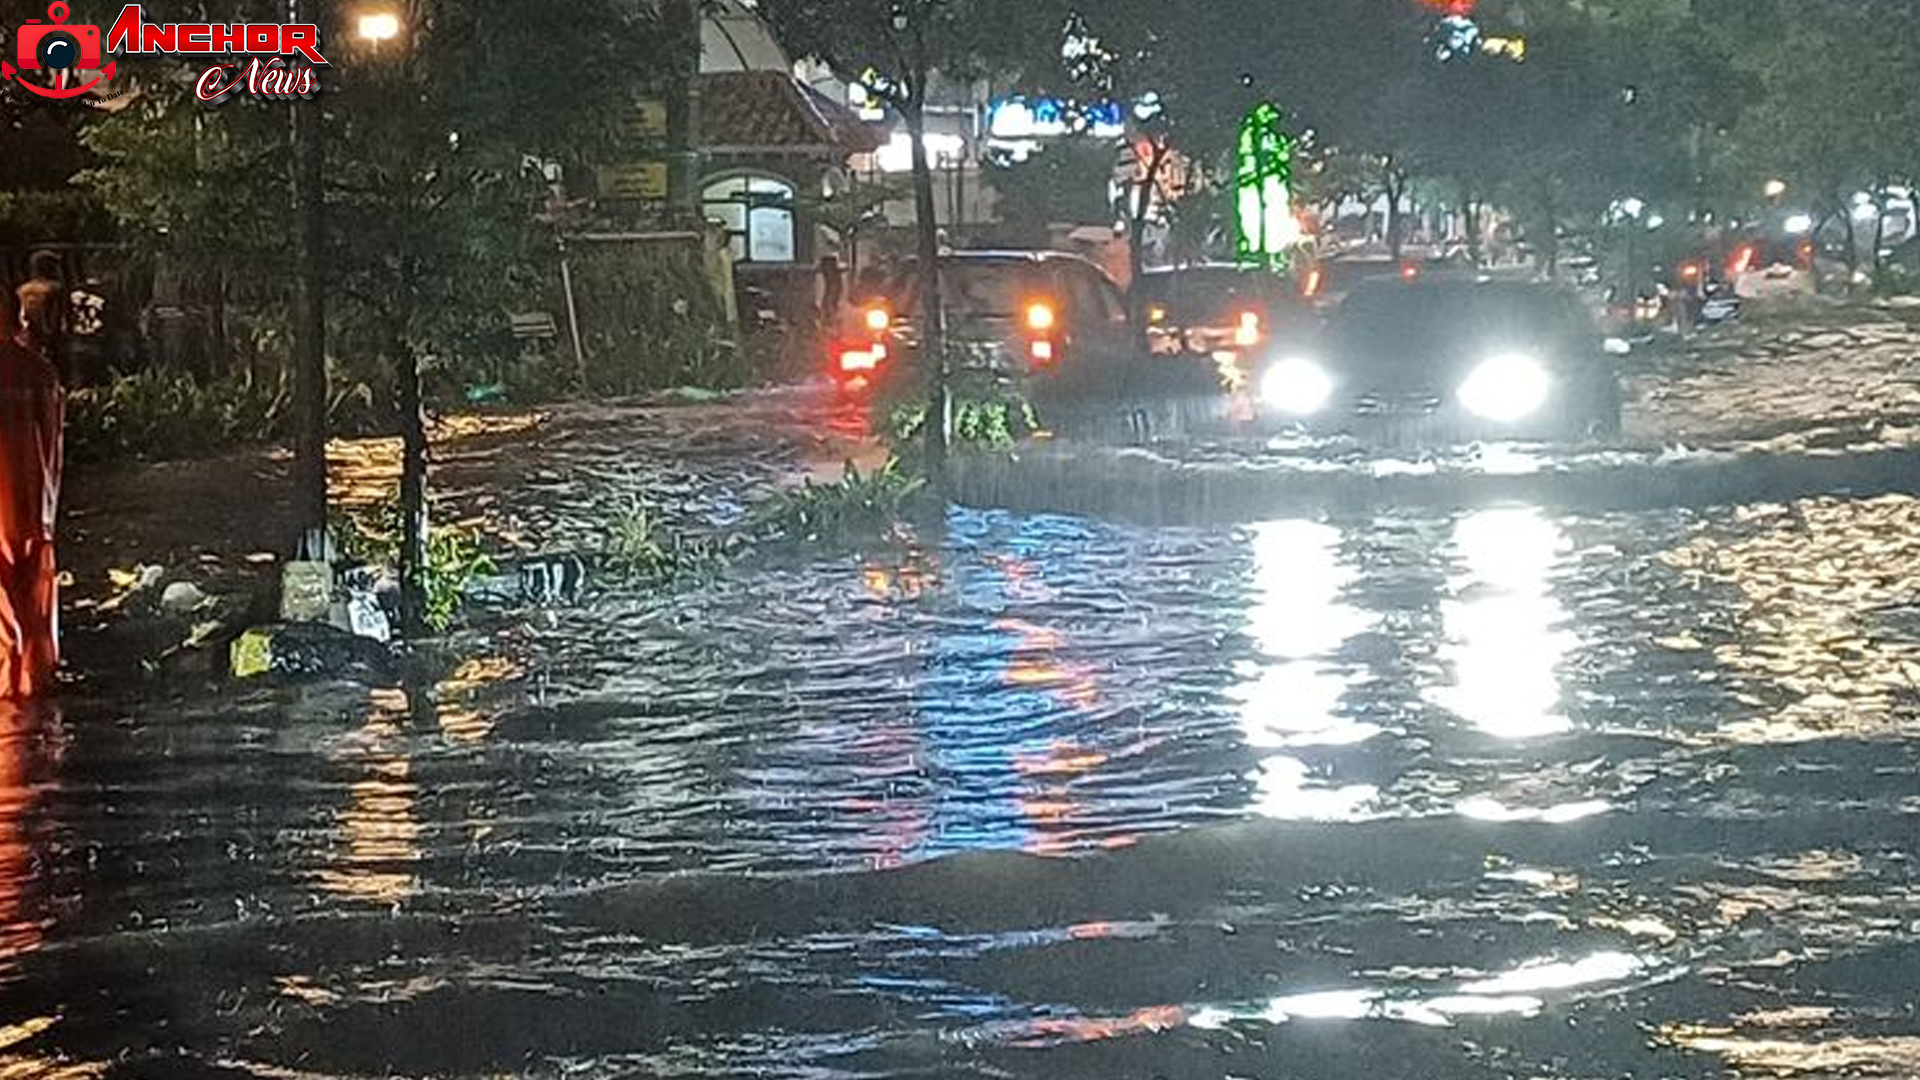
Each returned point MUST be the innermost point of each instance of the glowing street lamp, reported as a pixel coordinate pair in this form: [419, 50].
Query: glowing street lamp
[379, 26]
[1775, 188]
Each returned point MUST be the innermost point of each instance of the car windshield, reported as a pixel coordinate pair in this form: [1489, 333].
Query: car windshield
[1384, 316]
[1342, 275]
[1216, 293]
[978, 288]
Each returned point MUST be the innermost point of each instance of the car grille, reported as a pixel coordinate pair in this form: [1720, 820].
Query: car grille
[1398, 403]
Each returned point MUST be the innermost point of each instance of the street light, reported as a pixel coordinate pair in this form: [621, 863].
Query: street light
[379, 26]
[1775, 188]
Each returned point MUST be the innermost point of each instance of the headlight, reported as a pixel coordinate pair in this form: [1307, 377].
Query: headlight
[1506, 388]
[1295, 386]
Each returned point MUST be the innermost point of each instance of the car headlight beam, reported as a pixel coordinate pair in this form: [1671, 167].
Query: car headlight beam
[1506, 388]
[1296, 386]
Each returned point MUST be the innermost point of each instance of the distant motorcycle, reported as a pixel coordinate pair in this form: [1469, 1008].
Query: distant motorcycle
[1717, 304]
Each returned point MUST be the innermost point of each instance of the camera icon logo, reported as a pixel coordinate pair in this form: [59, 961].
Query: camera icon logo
[59, 48]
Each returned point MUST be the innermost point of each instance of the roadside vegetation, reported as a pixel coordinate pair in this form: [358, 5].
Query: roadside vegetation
[456, 557]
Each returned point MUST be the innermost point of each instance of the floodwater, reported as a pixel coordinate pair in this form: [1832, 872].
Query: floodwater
[1496, 792]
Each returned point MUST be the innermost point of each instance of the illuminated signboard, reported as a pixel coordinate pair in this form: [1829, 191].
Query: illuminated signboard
[1263, 197]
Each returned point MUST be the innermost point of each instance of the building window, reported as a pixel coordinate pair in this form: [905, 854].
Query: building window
[757, 213]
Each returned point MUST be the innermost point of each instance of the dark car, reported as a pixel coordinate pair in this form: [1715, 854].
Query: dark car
[1213, 310]
[1440, 359]
[1015, 315]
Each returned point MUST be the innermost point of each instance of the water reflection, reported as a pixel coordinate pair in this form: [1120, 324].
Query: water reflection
[1813, 583]
[378, 831]
[1506, 632]
[462, 716]
[1518, 991]
[1289, 694]
[1004, 725]
[26, 735]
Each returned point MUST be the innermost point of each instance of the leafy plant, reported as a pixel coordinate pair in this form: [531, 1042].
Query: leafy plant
[455, 557]
[640, 549]
[984, 418]
[858, 505]
[161, 415]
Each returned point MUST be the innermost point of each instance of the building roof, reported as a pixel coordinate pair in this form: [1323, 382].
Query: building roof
[771, 112]
[733, 38]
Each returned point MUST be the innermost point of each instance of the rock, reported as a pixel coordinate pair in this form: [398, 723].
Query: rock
[306, 592]
[182, 598]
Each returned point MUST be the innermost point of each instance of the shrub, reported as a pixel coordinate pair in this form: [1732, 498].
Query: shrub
[858, 506]
[455, 556]
[641, 550]
[161, 415]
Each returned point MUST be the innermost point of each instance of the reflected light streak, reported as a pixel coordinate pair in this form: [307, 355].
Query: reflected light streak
[379, 826]
[1035, 664]
[1283, 793]
[1840, 1055]
[1600, 967]
[1504, 641]
[1481, 808]
[23, 926]
[465, 725]
[1291, 697]
[1512, 993]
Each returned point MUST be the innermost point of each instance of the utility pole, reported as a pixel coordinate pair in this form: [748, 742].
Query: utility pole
[309, 321]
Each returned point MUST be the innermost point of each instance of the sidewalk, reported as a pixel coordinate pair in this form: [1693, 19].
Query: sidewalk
[535, 482]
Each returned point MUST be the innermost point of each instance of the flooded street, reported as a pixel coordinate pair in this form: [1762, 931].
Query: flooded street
[1486, 792]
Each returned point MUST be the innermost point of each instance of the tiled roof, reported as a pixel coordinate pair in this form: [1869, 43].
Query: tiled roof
[771, 111]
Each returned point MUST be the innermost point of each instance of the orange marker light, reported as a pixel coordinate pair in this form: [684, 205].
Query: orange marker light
[1690, 271]
[1040, 316]
[1156, 314]
[1248, 332]
[878, 319]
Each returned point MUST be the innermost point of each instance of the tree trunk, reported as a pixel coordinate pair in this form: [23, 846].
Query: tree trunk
[1395, 185]
[1550, 241]
[1470, 207]
[933, 314]
[1879, 232]
[1137, 232]
[309, 326]
[1853, 245]
[413, 491]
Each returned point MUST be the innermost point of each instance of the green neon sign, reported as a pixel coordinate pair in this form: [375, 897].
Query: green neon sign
[1263, 179]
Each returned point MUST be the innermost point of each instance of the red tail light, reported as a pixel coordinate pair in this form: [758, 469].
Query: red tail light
[861, 359]
[1409, 271]
[1742, 260]
[878, 319]
[1042, 351]
[1247, 333]
[1690, 272]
